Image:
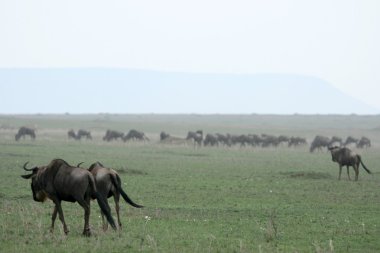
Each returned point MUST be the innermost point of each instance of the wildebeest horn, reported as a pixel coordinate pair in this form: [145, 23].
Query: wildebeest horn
[26, 168]
[79, 164]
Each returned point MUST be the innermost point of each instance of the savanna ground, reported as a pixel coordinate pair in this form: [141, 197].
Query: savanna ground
[197, 200]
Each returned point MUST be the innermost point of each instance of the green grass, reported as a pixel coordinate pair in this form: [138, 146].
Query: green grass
[197, 200]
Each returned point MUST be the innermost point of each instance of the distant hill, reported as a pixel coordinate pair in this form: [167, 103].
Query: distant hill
[138, 91]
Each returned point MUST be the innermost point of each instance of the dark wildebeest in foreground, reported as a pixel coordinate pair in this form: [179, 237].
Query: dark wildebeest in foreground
[108, 184]
[84, 133]
[346, 157]
[197, 137]
[25, 131]
[59, 181]
[136, 136]
[350, 140]
[112, 135]
[319, 142]
[364, 142]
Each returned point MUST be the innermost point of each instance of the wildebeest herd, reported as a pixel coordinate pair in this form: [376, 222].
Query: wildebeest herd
[59, 181]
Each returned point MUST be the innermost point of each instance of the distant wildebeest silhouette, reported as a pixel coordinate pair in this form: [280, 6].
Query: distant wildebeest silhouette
[25, 131]
[223, 139]
[364, 142]
[113, 135]
[72, 135]
[296, 141]
[108, 184]
[135, 135]
[335, 140]
[350, 140]
[210, 140]
[164, 135]
[197, 137]
[346, 157]
[84, 133]
[319, 142]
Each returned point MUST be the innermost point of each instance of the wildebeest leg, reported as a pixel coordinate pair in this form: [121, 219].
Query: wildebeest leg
[104, 222]
[86, 207]
[116, 197]
[340, 171]
[356, 168]
[53, 217]
[348, 173]
[60, 213]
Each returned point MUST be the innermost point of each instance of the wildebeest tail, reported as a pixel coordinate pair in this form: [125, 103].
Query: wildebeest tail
[361, 162]
[117, 183]
[104, 207]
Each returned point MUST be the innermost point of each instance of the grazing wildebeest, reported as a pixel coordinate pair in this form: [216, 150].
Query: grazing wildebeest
[364, 142]
[350, 140]
[196, 136]
[346, 157]
[59, 181]
[25, 131]
[269, 140]
[84, 133]
[211, 140]
[319, 142]
[72, 134]
[224, 139]
[283, 139]
[335, 140]
[108, 184]
[296, 141]
[111, 135]
[135, 135]
[164, 136]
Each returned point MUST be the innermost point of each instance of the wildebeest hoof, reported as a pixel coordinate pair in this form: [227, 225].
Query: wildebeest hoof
[87, 232]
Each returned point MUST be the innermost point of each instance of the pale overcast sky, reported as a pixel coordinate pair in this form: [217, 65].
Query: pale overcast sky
[337, 41]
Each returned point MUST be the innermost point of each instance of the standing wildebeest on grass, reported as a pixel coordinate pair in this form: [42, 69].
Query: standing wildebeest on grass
[364, 142]
[59, 181]
[335, 140]
[84, 133]
[196, 136]
[319, 142]
[108, 184]
[296, 141]
[211, 140]
[135, 135]
[25, 131]
[164, 136]
[346, 157]
[350, 140]
[72, 135]
[111, 135]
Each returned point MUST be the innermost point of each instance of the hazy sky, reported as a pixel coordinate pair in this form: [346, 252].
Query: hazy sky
[337, 41]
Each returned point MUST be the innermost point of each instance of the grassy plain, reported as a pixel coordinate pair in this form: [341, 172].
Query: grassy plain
[197, 200]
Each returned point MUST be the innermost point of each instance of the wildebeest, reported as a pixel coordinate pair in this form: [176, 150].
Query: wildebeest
[296, 141]
[72, 135]
[112, 135]
[164, 135]
[135, 135]
[335, 140]
[59, 181]
[108, 184]
[224, 139]
[364, 142]
[197, 137]
[350, 140]
[319, 142]
[84, 133]
[346, 157]
[25, 131]
[211, 140]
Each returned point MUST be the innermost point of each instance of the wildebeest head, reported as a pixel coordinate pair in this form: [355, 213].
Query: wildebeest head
[38, 194]
[334, 150]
